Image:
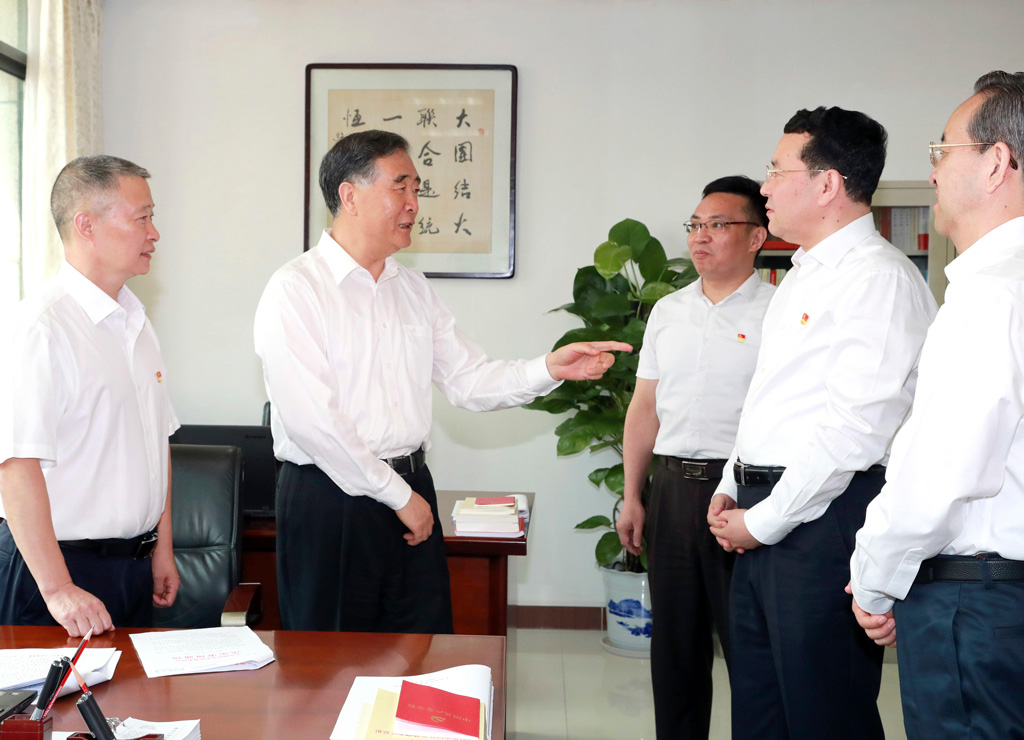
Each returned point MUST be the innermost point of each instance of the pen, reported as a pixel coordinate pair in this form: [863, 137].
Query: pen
[90, 710]
[64, 678]
[54, 675]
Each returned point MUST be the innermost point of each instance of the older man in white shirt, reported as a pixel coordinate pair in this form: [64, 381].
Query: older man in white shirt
[834, 380]
[84, 421]
[944, 540]
[351, 342]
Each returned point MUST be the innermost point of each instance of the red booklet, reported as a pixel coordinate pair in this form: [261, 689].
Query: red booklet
[494, 500]
[433, 707]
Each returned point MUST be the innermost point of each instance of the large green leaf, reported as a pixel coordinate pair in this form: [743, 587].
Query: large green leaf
[616, 479]
[630, 233]
[597, 476]
[652, 260]
[608, 548]
[594, 522]
[654, 291]
[571, 444]
[609, 258]
[633, 334]
[611, 305]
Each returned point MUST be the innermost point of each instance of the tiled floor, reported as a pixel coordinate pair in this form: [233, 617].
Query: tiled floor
[562, 684]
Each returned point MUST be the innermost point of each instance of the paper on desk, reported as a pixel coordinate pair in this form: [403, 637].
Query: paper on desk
[468, 680]
[26, 668]
[200, 651]
[133, 728]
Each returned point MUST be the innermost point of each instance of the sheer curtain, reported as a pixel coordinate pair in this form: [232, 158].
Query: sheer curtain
[63, 119]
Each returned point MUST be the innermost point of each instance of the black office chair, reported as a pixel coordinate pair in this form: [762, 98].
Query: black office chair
[206, 518]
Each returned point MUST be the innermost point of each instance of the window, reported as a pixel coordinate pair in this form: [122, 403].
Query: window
[13, 27]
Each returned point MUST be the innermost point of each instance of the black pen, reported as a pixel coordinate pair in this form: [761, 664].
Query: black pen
[55, 674]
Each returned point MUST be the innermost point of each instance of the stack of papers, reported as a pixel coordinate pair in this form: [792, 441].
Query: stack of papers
[133, 728]
[495, 516]
[374, 707]
[200, 651]
[26, 668]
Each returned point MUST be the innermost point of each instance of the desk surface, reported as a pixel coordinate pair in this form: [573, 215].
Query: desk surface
[299, 695]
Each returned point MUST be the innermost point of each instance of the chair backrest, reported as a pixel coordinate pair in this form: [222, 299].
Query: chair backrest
[206, 520]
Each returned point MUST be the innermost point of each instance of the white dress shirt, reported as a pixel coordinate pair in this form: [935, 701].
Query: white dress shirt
[348, 363]
[702, 354]
[84, 390]
[835, 376]
[955, 484]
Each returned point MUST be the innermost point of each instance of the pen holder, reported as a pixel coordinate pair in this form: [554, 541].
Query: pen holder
[21, 727]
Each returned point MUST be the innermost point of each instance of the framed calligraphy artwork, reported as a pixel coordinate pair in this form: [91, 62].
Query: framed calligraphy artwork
[460, 122]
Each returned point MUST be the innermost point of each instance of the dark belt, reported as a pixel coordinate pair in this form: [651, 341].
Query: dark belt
[985, 566]
[694, 469]
[137, 548]
[409, 464]
[757, 475]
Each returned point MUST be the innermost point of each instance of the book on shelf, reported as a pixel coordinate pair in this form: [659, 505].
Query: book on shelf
[905, 227]
[772, 275]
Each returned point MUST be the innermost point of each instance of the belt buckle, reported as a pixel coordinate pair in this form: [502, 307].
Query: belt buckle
[695, 470]
[146, 547]
[739, 471]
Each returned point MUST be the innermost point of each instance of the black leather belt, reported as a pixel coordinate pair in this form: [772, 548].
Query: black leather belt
[695, 469]
[758, 475]
[137, 548]
[408, 464]
[985, 566]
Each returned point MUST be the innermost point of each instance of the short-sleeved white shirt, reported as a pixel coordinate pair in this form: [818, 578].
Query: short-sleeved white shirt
[83, 388]
[703, 356]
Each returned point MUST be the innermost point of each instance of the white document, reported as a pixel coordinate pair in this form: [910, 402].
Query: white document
[468, 680]
[26, 668]
[200, 651]
[133, 728]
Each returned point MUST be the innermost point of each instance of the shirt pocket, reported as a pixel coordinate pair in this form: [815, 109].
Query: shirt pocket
[417, 355]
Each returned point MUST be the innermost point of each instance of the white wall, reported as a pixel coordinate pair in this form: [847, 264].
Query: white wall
[626, 108]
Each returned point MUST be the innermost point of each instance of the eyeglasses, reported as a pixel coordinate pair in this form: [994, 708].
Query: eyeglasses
[713, 227]
[937, 151]
[773, 174]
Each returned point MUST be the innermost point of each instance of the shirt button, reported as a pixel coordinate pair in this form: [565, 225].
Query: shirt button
[384, 324]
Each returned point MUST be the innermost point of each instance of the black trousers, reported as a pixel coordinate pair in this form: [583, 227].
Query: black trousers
[802, 669]
[961, 657]
[124, 585]
[344, 565]
[689, 575]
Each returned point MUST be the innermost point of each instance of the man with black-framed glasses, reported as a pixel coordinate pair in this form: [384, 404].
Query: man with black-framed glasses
[942, 547]
[835, 378]
[697, 359]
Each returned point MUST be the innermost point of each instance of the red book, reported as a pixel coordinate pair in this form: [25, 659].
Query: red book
[495, 501]
[433, 707]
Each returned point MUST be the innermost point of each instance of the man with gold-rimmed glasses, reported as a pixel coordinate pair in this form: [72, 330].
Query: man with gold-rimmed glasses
[942, 546]
[834, 380]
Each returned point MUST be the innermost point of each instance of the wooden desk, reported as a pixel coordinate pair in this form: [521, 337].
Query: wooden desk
[478, 568]
[299, 695]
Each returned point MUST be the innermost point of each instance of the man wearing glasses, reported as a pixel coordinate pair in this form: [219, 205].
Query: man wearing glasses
[945, 538]
[834, 380]
[698, 356]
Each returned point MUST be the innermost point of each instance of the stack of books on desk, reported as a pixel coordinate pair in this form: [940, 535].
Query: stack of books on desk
[495, 516]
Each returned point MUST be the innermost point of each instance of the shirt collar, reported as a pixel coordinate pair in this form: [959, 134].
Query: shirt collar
[96, 304]
[747, 289]
[341, 263]
[829, 252]
[1003, 240]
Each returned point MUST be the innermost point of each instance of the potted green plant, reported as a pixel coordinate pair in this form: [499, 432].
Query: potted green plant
[613, 297]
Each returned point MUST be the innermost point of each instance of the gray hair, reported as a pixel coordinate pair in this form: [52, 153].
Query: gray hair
[354, 159]
[1000, 117]
[83, 179]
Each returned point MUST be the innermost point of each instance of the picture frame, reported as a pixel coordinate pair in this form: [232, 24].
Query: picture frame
[460, 121]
